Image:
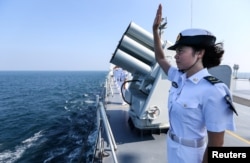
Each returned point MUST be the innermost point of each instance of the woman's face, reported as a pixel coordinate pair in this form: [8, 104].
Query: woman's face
[185, 57]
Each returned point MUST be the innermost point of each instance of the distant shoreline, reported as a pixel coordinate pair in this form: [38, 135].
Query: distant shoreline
[243, 75]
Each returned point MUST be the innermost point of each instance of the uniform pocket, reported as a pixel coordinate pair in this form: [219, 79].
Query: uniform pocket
[190, 111]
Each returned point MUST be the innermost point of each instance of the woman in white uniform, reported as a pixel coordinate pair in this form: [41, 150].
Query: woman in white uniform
[199, 104]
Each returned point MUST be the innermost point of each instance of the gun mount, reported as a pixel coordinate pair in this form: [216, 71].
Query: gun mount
[148, 92]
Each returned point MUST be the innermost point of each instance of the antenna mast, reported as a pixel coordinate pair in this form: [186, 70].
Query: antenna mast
[191, 14]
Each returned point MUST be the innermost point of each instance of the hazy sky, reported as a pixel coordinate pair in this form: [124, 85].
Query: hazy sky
[83, 34]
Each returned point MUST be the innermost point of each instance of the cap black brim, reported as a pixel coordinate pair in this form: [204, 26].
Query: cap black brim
[172, 47]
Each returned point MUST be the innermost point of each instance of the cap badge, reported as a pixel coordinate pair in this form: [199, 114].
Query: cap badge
[178, 37]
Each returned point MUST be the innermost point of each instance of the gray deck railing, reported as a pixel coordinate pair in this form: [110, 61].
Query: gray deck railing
[108, 131]
[104, 122]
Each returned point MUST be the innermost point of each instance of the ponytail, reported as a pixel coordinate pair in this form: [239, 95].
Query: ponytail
[213, 55]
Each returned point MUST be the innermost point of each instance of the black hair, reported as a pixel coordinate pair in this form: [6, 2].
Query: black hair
[213, 55]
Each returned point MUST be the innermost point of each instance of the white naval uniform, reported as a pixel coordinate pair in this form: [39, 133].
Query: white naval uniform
[120, 76]
[195, 106]
[115, 73]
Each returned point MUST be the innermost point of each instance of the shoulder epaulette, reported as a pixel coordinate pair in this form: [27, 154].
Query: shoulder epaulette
[213, 80]
[230, 102]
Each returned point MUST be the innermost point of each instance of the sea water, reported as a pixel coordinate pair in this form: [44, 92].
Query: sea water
[48, 116]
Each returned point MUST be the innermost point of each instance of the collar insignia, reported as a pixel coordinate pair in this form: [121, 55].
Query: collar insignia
[195, 79]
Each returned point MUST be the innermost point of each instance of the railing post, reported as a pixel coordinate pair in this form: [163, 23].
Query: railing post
[108, 131]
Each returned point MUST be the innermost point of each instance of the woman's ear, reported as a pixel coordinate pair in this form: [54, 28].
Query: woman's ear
[200, 53]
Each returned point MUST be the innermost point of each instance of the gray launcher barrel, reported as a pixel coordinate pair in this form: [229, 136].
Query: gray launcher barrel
[140, 35]
[135, 51]
[129, 63]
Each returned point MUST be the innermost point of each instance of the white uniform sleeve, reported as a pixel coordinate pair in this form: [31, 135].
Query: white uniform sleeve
[172, 73]
[218, 116]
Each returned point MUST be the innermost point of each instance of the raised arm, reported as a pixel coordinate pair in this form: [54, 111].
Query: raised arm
[159, 53]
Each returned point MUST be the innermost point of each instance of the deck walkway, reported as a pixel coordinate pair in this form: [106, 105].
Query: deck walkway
[242, 97]
[132, 145]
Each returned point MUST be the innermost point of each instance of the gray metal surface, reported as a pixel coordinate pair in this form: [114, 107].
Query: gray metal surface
[133, 146]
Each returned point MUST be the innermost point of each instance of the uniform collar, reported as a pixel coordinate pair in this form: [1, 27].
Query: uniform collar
[195, 78]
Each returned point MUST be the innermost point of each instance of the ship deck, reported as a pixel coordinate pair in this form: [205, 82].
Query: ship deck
[134, 146]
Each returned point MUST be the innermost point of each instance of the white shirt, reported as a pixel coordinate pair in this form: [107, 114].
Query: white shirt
[196, 105]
